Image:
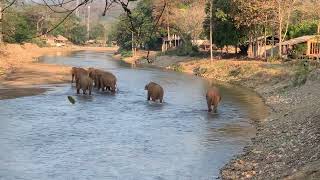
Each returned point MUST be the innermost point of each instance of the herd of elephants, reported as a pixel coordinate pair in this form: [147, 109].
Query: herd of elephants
[86, 79]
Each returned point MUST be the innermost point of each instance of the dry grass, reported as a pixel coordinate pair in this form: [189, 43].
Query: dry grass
[234, 70]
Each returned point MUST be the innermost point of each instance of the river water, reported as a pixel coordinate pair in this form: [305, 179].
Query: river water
[123, 136]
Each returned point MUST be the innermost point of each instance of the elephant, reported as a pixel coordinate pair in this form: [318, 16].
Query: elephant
[213, 99]
[95, 74]
[155, 92]
[85, 83]
[108, 81]
[77, 72]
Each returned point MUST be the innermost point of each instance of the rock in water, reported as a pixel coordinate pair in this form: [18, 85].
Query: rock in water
[71, 99]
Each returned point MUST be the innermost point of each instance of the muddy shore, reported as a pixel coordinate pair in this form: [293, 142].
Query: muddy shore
[287, 143]
[21, 71]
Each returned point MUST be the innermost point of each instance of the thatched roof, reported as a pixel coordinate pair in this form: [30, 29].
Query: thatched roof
[299, 40]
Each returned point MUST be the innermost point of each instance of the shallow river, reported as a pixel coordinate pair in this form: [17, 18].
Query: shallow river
[123, 136]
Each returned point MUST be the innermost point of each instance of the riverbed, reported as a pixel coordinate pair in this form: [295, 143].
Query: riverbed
[122, 136]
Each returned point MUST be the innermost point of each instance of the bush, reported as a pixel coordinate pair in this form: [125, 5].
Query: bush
[78, 35]
[235, 72]
[198, 71]
[17, 28]
[274, 58]
[186, 49]
[39, 42]
[301, 74]
[177, 68]
[125, 53]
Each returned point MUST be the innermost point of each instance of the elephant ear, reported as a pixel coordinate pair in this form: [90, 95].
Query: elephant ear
[71, 99]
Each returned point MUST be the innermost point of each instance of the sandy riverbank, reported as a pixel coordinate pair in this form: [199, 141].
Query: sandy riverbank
[20, 71]
[288, 141]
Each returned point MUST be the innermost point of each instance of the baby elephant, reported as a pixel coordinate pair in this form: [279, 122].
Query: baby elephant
[155, 92]
[213, 98]
[85, 83]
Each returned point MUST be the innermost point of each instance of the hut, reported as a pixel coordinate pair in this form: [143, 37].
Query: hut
[261, 46]
[308, 46]
[171, 42]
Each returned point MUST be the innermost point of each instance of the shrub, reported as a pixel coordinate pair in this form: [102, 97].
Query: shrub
[39, 42]
[177, 68]
[125, 53]
[235, 72]
[301, 74]
[198, 71]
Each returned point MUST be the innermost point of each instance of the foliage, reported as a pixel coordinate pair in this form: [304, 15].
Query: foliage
[301, 74]
[17, 28]
[78, 35]
[303, 28]
[177, 68]
[39, 42]
[125, 53]
[300, 49]
[199, 71]
[143, 23]
[97, 31]
[274, 58]
[186, 49]
[226, 30]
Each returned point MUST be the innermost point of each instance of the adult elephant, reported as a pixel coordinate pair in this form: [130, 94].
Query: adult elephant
[108, 81]
[84, 83]
[155, 92]
[77, 72]
[213, 98]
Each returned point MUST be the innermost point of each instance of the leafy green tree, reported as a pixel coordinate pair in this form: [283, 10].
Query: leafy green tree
[140, 25]
[78, 35]
[17, 28]
[225, 30]
[303, 28]
[97, 31]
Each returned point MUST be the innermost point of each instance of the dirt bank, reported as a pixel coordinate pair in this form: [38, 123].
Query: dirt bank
[288, 141]
[20, 70]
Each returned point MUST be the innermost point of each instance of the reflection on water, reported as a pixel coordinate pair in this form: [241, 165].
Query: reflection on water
[123, 136]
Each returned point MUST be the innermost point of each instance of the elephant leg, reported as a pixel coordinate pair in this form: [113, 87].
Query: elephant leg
[161, 100]
[209, 105]
[78, 91]
[84, 91]
[215, 109]
[72, 78]
[89, 91]
[148, 96]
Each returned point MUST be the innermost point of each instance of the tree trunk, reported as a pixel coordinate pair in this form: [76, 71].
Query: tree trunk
[319, 27]
[1, 35]
[280, 29]
[132, 44]
[272, 43]
[265, 42]
[211, 53]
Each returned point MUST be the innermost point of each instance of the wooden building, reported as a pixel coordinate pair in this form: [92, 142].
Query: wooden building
[311, 42]
[171, 42]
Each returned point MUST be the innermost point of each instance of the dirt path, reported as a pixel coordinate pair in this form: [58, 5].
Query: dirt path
[21, 71]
